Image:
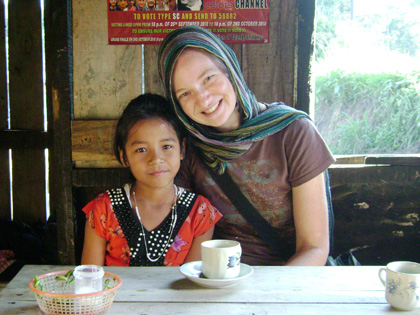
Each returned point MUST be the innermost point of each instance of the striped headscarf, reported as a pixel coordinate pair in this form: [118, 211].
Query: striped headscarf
[217, 148]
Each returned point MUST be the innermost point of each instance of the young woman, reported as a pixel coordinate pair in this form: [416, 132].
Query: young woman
[150, 221]
[273, 152]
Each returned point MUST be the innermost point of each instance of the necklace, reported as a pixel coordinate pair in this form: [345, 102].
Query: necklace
[174, 216]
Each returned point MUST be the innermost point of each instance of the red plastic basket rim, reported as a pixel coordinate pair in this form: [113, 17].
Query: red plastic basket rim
[35, 290]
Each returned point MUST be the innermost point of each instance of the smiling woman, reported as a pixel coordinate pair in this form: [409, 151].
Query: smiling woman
[271, 151]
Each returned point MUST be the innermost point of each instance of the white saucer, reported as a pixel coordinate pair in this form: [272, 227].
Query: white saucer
[192, 271]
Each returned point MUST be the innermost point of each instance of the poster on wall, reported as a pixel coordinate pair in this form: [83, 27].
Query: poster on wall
[135, 22]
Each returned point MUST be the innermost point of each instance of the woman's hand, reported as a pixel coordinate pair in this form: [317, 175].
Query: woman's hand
[310, 212]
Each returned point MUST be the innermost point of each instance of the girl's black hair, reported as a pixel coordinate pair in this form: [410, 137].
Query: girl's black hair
[145, 106]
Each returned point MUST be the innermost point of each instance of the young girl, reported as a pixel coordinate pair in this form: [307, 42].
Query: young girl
[150, 222]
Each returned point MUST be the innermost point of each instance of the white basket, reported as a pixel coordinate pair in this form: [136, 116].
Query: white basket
[59, 298]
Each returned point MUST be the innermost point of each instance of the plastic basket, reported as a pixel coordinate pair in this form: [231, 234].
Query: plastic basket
[59, 298]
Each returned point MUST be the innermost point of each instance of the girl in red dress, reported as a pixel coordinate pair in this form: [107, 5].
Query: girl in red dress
[150, 221]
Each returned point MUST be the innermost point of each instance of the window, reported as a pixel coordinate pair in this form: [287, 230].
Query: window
[367, 76]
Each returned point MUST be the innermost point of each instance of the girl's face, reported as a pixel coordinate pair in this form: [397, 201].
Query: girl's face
[153, 153]
[141, 3]
[113, 3]
[204, 91]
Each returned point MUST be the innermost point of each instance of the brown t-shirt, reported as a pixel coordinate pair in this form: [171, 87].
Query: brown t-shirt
[265, 175]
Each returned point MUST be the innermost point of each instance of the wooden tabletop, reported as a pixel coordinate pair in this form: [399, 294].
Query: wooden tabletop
[269, 290]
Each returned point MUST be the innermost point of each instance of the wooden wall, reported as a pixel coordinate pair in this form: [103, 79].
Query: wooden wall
[24, 186]
[89, 82]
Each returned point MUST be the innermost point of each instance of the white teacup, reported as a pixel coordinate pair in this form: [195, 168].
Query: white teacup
[221, 259]
[402, 284]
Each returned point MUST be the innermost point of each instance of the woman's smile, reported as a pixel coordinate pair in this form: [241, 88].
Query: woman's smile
[212, 109]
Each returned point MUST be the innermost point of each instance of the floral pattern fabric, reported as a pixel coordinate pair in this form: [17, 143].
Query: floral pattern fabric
[101, 217]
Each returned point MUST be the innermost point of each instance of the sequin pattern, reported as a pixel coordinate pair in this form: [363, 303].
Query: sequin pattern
[157, 238]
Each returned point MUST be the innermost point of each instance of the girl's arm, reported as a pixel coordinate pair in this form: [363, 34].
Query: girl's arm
[195, 250]
[310, 212]
[93, 248]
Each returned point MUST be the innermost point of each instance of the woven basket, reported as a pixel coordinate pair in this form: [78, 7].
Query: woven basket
[58, 298]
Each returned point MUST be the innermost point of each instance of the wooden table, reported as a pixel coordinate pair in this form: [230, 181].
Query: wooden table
[269, 290]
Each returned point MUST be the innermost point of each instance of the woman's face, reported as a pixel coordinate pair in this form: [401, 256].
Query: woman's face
[204, 91]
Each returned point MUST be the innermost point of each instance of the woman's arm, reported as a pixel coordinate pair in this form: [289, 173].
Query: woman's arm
[310, 212]
[195, 250]
[93, 248]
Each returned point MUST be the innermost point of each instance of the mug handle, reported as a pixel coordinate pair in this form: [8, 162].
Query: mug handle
[380, 274]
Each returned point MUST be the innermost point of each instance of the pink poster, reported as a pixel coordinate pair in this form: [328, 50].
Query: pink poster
[136, 22]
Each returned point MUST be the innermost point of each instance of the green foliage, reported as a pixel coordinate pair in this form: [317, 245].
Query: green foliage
[397, 29]
[401, 38]
[328, 13]
[369, 113]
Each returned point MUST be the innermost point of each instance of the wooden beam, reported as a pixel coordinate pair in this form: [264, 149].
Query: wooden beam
[4, 152]
[57, 15]
[305, 51]
[394, 159]
[26, 103]
[29, 139]
[92, 140]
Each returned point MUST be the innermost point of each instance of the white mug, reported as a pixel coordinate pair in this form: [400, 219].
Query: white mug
[402, 284]
[221, 259]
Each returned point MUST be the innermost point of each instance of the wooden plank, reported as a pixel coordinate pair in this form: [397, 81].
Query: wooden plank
[294, 290]
[3, 67]
[15, 139]
[393, 159]
[305, 51]
[408, 174]
[5, 185]
[26, 108]
[100, 177]
[30, 308]
[25, 65]
[97, 164]
[106, 77]
[350, 159]
[341, 279]
[269, 69]
[92, 140]
[152, 83]
[59, 100]
[4, 152]
[29, 198]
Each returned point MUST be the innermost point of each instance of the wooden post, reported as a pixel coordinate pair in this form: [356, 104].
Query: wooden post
[58, 38]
